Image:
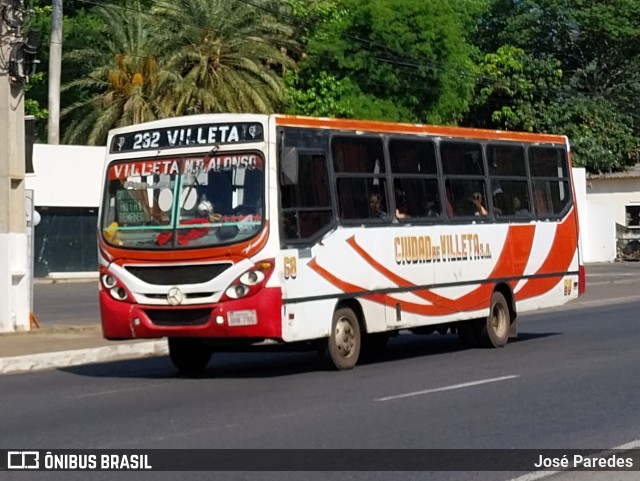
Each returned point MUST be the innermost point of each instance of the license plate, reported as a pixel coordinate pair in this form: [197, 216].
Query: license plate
[242, 318]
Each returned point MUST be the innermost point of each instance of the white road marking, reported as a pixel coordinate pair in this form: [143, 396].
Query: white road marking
[448, 388]
[545, 474]
[609, 274]
[606, 283]
[118, 391]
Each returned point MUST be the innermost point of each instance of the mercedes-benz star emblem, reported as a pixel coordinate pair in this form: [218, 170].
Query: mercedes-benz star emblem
[175, 296]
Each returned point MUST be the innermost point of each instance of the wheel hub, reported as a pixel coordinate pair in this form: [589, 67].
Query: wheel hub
[345, 337]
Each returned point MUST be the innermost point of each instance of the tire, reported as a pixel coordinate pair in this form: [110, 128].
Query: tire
[189, 356]
[495, 332]
[344, 342]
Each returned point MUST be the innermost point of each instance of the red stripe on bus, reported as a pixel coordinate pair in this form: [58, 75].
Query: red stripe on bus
[558, 260]
[400, 281]
[519, 239]
[387, 300]
[517, 245]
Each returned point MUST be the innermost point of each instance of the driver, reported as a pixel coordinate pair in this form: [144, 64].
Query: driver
[205, 214]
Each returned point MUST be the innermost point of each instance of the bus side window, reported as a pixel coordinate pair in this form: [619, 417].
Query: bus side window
[540, 202]
[290, 226]
[306, 205]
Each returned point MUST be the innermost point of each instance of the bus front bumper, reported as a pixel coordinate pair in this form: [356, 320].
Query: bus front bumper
[258, 316]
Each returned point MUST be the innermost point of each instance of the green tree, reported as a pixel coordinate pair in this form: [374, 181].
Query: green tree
[225, 55]
[80, 28]
[597, 43]
[514, 90]
[602, 137]
[539, 27]
[322, 96]
[404, 59]
[123, 80]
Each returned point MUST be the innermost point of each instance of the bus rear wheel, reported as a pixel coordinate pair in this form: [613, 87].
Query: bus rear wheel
[189, 356]
[345, 339]
[495, 332]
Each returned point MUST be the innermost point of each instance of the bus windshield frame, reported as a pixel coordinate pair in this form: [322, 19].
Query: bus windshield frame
[184, 202]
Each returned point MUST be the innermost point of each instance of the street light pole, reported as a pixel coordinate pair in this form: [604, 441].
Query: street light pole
[14, 276]
[55, 67]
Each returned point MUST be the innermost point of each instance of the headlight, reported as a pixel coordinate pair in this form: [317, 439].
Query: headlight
[237, 291]
[108, 281]
[119, 293]
[252, 278]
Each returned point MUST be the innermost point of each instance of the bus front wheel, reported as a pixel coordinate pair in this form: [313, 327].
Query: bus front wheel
[345, 339]
[189, 356]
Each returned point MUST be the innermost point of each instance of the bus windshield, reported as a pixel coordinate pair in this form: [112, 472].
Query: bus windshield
[183, 202]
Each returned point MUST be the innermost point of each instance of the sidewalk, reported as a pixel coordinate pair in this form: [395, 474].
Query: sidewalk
[59, 347]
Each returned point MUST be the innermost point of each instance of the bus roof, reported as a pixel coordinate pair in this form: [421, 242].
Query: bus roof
[400, 128]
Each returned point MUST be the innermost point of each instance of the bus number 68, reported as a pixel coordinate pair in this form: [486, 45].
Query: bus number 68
[290, 268]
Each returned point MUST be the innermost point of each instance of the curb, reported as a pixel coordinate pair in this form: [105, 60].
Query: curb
[76, 357]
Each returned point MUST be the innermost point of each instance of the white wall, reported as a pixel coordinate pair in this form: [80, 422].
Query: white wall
[617, 192]
[601, 233]
[579, 184]
[15, 282]
[66, 175]
[608, 195]
[597, 222]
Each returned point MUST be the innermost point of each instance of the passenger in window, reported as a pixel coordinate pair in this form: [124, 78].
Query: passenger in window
[478, 203]
[498, 201]
[401, 204]
[518, 208]
[375, 206]
[431, 208]
[450, 199]
[205, 216]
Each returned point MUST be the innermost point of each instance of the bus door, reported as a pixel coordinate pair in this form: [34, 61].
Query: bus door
[306, 216]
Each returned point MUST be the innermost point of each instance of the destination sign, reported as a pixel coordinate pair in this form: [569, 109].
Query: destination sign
[189, 135]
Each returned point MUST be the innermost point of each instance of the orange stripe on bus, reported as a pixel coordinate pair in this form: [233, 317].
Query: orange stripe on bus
[517, 245]
[387, 300]
[397, 128]
[519, 238]
[400, 281]
[558, 260]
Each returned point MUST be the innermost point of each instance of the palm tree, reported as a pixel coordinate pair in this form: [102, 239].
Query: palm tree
[124, 84]
[229, 54]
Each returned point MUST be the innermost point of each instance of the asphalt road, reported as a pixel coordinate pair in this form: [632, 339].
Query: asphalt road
[72, 303]
[570, 381]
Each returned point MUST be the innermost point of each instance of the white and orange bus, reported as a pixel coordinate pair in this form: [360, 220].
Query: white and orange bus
[231, 231]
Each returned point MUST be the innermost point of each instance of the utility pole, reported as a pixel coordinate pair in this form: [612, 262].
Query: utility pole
[17, 58]
[55, 67]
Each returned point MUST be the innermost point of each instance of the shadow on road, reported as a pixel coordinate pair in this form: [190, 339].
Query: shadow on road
[248, 365]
